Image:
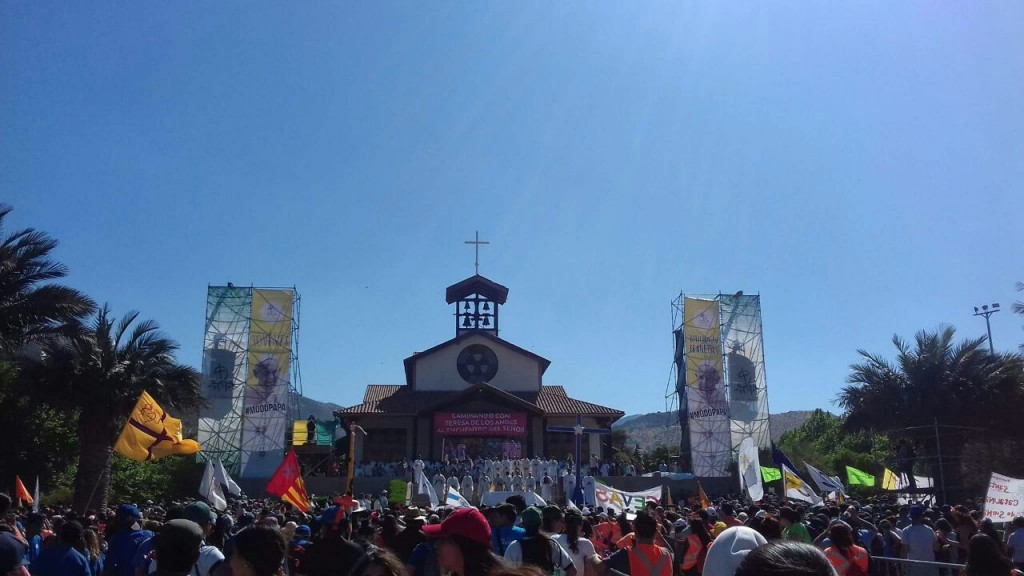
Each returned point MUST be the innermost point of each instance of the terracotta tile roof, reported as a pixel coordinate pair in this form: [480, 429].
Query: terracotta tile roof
[399, 399]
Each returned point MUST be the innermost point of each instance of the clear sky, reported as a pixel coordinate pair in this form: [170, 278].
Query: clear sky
[859, 164]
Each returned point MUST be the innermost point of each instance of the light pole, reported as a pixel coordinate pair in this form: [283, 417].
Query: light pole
[987, 311]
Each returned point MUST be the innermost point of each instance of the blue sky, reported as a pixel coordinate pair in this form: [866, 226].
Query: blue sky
[858, 164]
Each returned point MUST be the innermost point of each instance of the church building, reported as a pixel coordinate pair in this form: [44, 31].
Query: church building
[475, 395]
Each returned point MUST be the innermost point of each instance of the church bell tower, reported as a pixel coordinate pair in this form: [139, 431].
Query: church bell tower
[477, 302]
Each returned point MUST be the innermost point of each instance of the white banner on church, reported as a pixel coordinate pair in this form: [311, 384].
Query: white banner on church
[706, 403]
[224, 373]
[744, 364]
[613, 499]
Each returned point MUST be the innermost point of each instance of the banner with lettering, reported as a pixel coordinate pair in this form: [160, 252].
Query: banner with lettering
[615, 500]
[1005, 499]
[706, 403]
[505, 424]
[265, 414]
[224, 374]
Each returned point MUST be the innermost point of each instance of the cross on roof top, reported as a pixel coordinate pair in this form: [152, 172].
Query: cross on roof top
[476, 245]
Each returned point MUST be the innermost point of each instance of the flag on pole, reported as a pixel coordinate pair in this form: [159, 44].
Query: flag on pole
[770, 474]
[780, 458]
[35, 497]
[825, 483]
[425, 487]
[705, 502]
[151, 433]
[455, 500]
[20, 492]
[222, 476]
[859, 477]
[750, 478]
[796, 488]
[287, 484]
[889, 480]
[210, 489]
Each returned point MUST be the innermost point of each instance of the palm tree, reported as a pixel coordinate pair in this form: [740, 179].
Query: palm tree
[936, 380]
[31, 307]
[101, 371]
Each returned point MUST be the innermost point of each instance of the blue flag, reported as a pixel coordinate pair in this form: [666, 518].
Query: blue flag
[780, 458]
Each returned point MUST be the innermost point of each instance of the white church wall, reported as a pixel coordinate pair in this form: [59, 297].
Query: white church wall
[516, 372]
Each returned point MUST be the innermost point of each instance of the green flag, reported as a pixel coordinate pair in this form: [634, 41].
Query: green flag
[859, 477]
[769, 474]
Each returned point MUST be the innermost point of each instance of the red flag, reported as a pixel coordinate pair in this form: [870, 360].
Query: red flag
[20, 492]
[287, 484]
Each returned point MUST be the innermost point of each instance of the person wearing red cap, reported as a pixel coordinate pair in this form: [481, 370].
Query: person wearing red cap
[463, 543]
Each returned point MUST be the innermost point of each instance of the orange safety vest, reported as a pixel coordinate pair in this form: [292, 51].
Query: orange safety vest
[858, 557]
[693, 551]
[649, 560]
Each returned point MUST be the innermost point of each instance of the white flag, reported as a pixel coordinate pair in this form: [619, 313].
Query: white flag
[455, 500]
[825, 484]
[796, 488]
[209, 488]
[222, 476]
[750, 469]
[427, 488]
[35, 497]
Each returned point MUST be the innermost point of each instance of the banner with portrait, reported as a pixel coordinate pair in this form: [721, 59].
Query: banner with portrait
[265, 410]
[707, 405]
[224, 374]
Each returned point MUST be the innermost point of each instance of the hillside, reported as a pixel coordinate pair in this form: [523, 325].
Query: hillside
[650, 430]
[307, 406]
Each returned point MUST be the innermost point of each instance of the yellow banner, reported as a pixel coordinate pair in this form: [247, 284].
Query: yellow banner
[706, 406]
[270, 329]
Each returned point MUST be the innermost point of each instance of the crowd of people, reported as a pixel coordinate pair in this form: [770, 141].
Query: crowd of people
[345, 537]
[536, 466]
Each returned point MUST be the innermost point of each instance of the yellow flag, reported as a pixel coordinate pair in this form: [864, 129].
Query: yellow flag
[151, 433]
[888, 480]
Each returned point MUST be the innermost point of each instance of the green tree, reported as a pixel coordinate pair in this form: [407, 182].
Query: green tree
[822, 443]
[101, 371]
[938, 379]
[32, 307]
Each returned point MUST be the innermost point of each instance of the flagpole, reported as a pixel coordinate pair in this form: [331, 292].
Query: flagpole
[103, 470]
[351, 454]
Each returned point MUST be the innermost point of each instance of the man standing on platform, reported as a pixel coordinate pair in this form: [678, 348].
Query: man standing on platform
[440, 484]
[467, 487]
[569, 485]
[545, 488]
[589, 490]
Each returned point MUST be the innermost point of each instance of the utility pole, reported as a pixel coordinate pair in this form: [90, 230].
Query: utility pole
[986, 311]
[938, 452]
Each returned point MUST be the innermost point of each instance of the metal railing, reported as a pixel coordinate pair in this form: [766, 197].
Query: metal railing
[899, 566]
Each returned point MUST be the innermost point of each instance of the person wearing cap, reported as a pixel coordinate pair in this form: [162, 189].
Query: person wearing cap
[297, 548]
[62, 559]
[177, 547]
[335, 548]
[125, 541]
[537, 548]
[209, 556]
[463, 543]
[919, 543]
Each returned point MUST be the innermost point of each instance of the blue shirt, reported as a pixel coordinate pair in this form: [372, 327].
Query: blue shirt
[502, 537]
[121, 551]
[60, 560]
